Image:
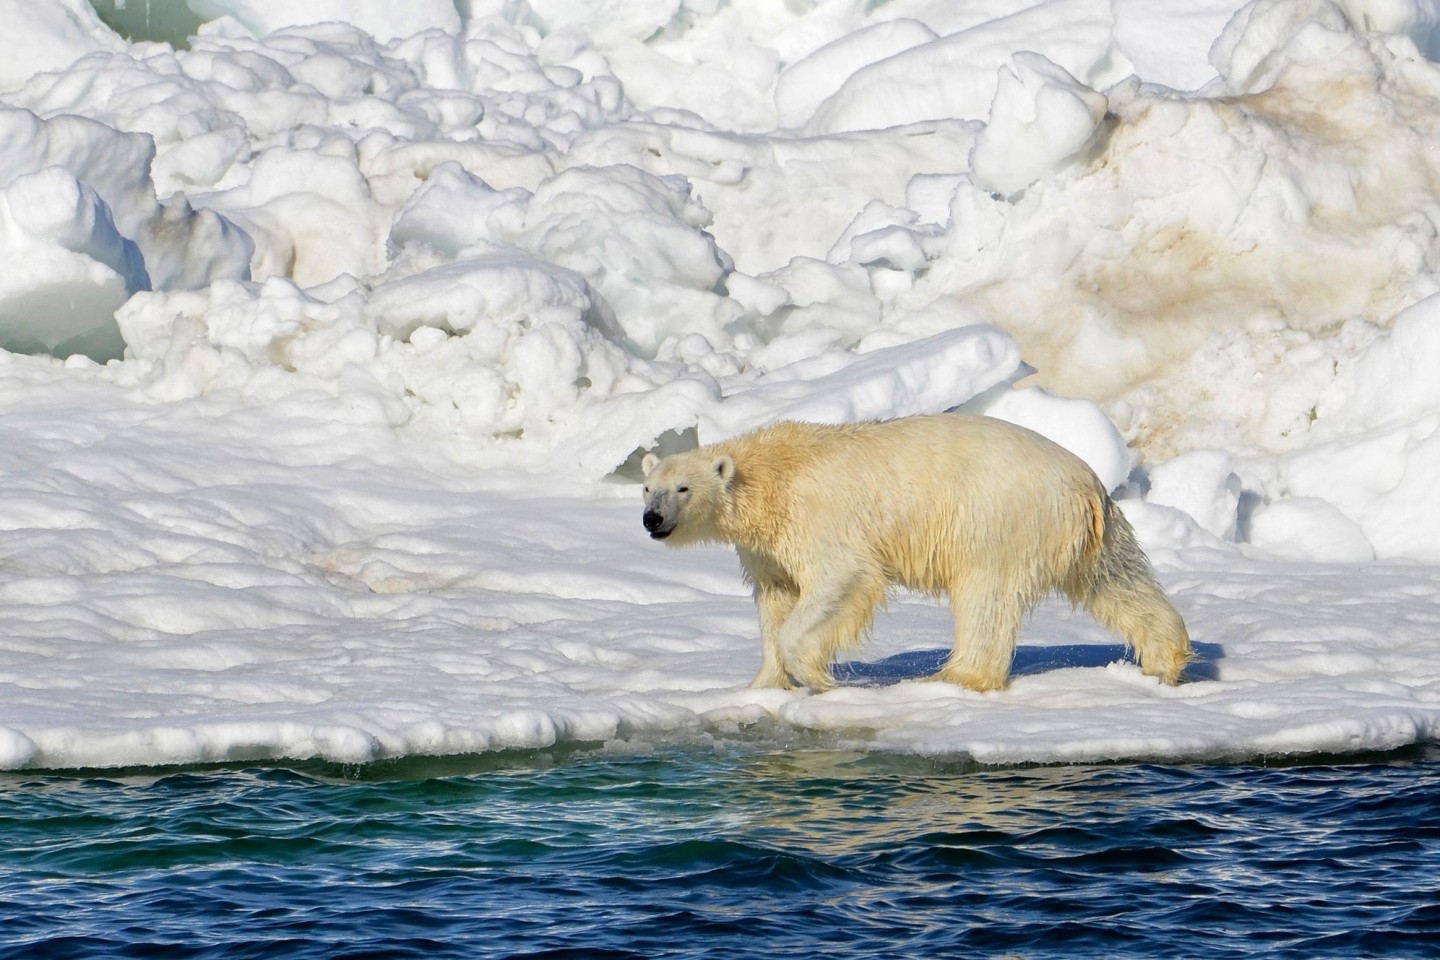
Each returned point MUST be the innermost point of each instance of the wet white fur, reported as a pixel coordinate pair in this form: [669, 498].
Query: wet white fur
[826, 518]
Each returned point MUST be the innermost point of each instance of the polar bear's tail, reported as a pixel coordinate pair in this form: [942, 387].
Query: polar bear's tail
[1119, 589]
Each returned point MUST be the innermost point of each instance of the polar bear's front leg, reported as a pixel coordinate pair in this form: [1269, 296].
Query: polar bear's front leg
[827, 618]
[774, 603]
[800, 642]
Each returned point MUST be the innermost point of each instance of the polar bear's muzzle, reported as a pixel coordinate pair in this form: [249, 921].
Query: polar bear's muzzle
[655, 523]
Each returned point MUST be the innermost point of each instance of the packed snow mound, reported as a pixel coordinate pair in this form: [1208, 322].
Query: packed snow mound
[381, 19]
[1376, 447]
[81, 231]
[1041, 117]
[49, 35]
[505, 359]
[1204, 253]
[804, 85]
[1171, 253]
[956, 75]
[69, 268]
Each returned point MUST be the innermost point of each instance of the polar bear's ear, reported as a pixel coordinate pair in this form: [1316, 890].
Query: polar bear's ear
[648, 462]
[725, 469]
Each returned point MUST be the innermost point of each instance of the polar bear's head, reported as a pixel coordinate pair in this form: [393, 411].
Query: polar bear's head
[683, 492]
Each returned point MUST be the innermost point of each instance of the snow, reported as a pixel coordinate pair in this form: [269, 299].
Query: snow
[1040, 118]
[82, 230]
[381, 19]
[43, 35]
[328, 352]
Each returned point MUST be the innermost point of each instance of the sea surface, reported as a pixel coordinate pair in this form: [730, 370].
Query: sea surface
[725, 851]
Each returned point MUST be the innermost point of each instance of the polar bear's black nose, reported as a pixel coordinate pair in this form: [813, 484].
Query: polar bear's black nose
[652, 520]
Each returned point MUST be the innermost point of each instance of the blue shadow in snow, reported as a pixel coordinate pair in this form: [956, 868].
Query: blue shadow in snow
[918, 664]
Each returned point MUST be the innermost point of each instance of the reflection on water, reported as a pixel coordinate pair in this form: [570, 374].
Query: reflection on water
[725, 850]
[834, 802]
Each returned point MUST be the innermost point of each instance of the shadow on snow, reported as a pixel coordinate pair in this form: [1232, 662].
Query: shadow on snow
[917, 664]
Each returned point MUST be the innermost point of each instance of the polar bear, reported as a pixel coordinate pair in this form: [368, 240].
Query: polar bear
[825, 518]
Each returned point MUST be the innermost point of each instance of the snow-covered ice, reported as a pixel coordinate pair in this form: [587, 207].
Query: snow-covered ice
[328, 351]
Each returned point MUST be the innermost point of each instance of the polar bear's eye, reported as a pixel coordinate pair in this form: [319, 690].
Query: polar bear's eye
[682, 489]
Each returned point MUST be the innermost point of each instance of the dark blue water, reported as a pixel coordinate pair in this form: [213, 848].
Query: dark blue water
[725, 853]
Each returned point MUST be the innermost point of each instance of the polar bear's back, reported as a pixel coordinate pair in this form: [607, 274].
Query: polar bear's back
[928, 498]
[940, 455]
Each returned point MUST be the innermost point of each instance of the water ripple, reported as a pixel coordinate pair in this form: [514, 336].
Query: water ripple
[716, 854]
